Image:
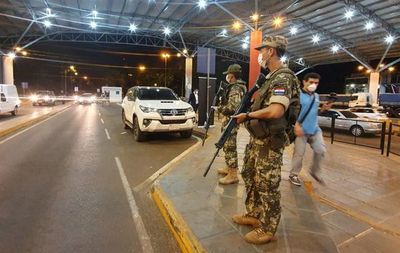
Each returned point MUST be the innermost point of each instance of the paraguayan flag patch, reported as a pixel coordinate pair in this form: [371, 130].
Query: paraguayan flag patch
[279, 91]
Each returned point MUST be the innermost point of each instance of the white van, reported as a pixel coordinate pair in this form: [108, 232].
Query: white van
[114, 94]
[9, 100]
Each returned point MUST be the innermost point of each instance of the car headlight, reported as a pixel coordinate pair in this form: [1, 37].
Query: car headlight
[147, 109]
[190, 109]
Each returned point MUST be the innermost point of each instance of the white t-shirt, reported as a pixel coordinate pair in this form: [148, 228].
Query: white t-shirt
[196, 95]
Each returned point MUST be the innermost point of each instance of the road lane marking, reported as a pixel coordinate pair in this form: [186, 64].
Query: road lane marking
[27, 129]
[102, 121]
[137, 219]
[108, 135]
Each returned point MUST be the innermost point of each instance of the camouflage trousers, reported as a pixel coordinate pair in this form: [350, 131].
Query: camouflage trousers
[262, 175]
[230, 149]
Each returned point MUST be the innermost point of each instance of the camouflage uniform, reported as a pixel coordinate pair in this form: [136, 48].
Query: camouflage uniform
[263, 156]
[231, 101]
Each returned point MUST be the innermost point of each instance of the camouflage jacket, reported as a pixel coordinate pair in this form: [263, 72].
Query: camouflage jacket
[232, 98]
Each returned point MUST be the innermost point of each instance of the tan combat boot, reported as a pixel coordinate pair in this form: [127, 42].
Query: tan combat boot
[246, 220]
[230, 178]
[259, 236]
[223, 171]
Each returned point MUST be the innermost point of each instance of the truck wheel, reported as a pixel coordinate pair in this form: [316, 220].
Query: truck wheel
[137, 134]
[124, 120]
[357, 130]
[186, 134]
[14, 113]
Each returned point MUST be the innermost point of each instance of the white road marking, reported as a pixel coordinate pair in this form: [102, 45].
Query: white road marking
[137, 219]
[27, 129]
[102, 121]
[108, 135]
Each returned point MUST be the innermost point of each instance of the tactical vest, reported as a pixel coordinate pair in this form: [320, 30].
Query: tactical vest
[264, 128]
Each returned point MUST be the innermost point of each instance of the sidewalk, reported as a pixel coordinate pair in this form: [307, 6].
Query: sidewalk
[199, 210]
[10, 125]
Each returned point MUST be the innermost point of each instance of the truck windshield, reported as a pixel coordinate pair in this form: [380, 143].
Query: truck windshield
[156, 94]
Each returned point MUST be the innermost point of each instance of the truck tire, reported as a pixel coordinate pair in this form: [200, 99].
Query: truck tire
[138, 135]
[14, 113]
[356, 130]
[186, 134]
[124, 120]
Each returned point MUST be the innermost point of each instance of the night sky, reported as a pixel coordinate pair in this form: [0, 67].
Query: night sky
[50, 75]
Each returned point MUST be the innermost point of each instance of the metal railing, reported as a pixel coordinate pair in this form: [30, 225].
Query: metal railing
[365, 133]
[393, 144]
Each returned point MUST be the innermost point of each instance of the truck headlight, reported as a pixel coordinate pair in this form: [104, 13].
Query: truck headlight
[190, 109]
[147, 109]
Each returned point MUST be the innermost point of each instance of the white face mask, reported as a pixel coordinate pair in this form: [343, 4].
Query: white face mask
[312, 87]
[261, 62]
[227, 79]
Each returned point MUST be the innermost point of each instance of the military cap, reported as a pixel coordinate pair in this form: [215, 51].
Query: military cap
[273, 41]
[234, 68]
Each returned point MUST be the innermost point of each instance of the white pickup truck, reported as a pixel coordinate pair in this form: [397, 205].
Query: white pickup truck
[156, 109]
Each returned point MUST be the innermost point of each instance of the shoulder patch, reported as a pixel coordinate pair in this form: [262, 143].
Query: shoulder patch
[279, 91]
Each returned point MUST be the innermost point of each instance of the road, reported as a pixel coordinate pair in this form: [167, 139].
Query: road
[62, 185]
[26, 109]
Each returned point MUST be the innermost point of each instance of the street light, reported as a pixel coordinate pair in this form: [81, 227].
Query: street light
[391, 69]
[72, 69]
[85, 77]
[142, 68]
[165, 56]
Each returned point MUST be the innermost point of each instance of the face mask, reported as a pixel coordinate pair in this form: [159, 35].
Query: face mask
[312, 87]
[261, 62]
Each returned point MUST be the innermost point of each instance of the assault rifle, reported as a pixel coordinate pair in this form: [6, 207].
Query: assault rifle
[243, 107]
[210, 117]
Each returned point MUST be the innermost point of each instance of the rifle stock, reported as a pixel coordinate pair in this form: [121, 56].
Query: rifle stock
[243, 107]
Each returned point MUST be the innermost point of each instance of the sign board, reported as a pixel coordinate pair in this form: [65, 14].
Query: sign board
[206, 58]
[76, 88]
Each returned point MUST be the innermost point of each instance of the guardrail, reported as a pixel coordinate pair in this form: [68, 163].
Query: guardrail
[358, 132]
[393, 144]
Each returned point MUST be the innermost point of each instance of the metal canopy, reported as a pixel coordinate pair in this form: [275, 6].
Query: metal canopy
[22, 22]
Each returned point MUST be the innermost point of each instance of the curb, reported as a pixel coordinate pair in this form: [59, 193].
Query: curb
[348, 211]
[30, 122]
[187, 241]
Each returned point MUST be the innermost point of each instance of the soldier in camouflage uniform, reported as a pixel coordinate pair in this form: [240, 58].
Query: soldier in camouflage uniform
[263, 156]
[230, 101]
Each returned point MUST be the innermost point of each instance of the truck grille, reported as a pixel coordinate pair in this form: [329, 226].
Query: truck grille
[178, 121]
[172, 112]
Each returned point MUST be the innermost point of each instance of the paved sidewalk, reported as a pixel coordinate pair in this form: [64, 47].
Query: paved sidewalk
[205, 208]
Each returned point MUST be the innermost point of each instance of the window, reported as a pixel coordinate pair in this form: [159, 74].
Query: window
[3, 97]
[117, 92]
[349, 115]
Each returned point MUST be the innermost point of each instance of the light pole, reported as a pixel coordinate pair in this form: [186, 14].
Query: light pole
[165, 56]
[72, 69]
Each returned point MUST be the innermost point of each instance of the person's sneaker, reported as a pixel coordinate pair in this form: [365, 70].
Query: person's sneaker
[294, 179]
[222, 171]
[230, 178]
[318, 178]
[259, 236]
[243, 219]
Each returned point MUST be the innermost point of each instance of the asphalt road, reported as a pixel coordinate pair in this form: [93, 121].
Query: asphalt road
[26, 109]
[62, 185]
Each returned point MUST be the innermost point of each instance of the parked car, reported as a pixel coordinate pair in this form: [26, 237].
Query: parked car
[369, 113]
[9, 100]
[155, 109]
[86, 98]
[43, 97]
[346, 120]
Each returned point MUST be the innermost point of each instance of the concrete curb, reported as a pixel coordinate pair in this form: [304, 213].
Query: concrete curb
[187, 241]
[348, 211]
[30, 122]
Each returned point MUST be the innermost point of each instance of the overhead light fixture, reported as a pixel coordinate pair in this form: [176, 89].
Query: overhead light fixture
[94, 13]
[368, 71]
[369, 25]
[178, 55]
[245, 45]
[360, 67]
[277, 22]
[11, 55]
[391, 69]
[17, 49]
[381, 65]
[255, 17]
[293, 30]
[47, 23]
[284, 59]
[24, 53]
[167, 31]
[202, 4]
[48, 13]
[335, 48]
[93, 25]
[142, 68]
[132, 27]
[389, 39]
[237, 25]
[316, 38]
[185, 51]
[349, 14]
[224, 33]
